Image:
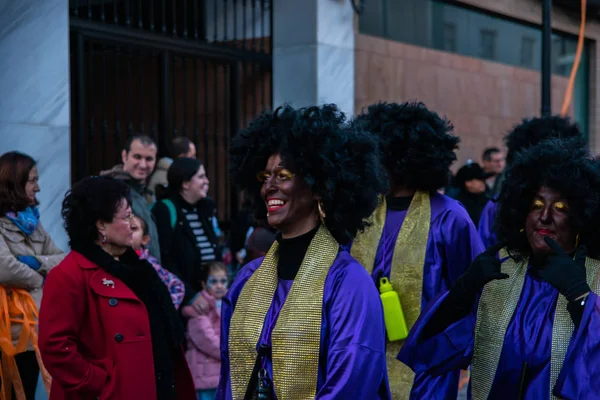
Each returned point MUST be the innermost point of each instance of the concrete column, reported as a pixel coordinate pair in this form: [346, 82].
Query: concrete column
[313, 53]
[34, 106]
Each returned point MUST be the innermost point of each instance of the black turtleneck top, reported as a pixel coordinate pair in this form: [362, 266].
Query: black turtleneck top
[398, 203]
[291, 254]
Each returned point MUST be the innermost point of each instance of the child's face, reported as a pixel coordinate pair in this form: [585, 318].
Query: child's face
[216, 284]
[139, 239]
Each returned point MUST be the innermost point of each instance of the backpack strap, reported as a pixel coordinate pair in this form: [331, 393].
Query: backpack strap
[172, 211]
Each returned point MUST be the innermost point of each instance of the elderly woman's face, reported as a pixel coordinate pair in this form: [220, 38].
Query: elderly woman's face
[548, 216]
[118, 232]
[291, 206]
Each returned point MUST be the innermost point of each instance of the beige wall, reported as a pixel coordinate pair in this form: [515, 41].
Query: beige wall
[483, 99]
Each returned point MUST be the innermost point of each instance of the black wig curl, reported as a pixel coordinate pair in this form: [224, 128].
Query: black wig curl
[532, 131]
[562, 165]
[417, 145]
[338, 160]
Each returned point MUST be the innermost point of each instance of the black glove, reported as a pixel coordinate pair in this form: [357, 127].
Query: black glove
[566, 274]
[485, 268]
[461, 298]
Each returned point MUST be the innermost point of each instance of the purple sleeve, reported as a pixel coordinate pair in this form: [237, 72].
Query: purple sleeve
[486, 224]
[355, 353]
[450, 350]
[176, 288]
[461, 243]
[579, 377]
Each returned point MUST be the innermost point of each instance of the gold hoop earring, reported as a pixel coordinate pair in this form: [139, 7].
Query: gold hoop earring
[522, 230]
[322, 214]
[103, 239]
[577, 241]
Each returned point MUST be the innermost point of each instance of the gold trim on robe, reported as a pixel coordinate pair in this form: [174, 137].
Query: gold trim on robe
[296, 338]
[496, 307]
[408, 261]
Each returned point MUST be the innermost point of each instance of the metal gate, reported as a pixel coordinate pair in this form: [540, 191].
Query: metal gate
[166, 68]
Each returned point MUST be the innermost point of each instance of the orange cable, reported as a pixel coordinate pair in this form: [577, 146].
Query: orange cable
[578, 53]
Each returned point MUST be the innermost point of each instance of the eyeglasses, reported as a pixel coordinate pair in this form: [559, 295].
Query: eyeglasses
[281, 175]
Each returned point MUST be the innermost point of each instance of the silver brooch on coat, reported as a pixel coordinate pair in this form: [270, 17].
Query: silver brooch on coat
[108, 283]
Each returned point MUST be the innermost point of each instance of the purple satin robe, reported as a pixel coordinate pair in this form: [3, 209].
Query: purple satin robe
[486, 224]
[352, 357]
[528, 339]
[453, 244]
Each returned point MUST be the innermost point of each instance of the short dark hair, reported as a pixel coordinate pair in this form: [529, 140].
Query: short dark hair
[489, 152]
[145, 140]
[90, 200]
[179, 145]
[417, 145]
[181, 170]
[14, 174]
[210, 267]
[144, 226]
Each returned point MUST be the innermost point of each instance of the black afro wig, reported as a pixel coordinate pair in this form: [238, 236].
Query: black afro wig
[560, 164]
[338, 160]
[417, 145]
[535, 130]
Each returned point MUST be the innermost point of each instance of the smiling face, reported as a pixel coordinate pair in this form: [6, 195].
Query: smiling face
[197, 188]
[140, 160]
[291, 205]
[549, 216]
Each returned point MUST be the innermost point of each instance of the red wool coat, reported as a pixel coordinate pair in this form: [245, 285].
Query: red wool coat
[94, 337]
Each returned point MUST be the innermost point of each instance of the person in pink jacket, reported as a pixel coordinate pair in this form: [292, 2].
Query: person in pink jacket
[204, 330]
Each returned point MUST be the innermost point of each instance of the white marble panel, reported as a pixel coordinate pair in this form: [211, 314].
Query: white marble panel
[336, 77]
[34, 60]
[295, 76]
[49, 146]
[335, 23]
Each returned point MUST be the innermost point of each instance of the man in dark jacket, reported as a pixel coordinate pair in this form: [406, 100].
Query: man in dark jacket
[139, 159]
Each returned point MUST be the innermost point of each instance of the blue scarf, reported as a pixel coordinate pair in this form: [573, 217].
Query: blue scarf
[26, 220]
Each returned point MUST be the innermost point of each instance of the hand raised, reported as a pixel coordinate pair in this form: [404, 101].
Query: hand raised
[565, 274]
[485, 268]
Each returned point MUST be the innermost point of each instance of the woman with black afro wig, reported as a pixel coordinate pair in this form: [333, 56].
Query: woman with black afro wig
[420, 240]
[527, 322]
[525, 135]
[307, 306]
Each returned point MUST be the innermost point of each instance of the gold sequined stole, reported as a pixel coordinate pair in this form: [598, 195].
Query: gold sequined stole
[496, 307]
[408, 261]
[296, 337]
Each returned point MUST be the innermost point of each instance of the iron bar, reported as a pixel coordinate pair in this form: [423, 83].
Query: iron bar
[116, 99]
[115, 13]
[164, 16]
[546, 58]
[185, 20]
[76, 8]
[135, 38]
[216, 131]
[206, 120]
[141, 14]
[244, 28]
[215, 19]
[89, 9]
[195, 19]
[129, 93]
[81, 150]
[253, 22]
[90, 85]
[185, 95]
[262, 25]
[225, 22]
[105, 101]
[174, 17]
[174, 93]
[151, 15]
[234, 101]
[140, 102]
[196, 101]
[235, 23]
[102, 12]
[128, 13]
[163, 97]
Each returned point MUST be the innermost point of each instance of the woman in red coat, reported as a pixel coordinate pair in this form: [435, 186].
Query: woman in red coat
[108, 329]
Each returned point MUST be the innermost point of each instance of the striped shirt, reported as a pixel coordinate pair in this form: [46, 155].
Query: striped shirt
[207, 251]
